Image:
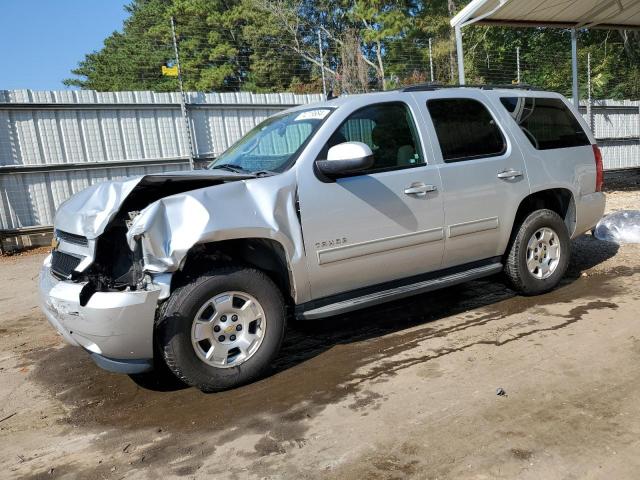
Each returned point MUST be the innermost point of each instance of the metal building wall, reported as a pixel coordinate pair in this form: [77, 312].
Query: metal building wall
[55, 143]
[616, 126]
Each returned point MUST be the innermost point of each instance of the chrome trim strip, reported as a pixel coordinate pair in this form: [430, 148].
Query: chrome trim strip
[474, 226]
[379, 245]
[401, 292]
[71, 238]
[73, 248]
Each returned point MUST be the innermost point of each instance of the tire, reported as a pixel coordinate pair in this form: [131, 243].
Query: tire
[521, 257]
[215, 298]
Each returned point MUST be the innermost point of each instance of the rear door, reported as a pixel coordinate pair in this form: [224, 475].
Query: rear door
[558, 147]
[483, 173]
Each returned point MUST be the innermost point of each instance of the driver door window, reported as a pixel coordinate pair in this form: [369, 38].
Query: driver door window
[388, 129]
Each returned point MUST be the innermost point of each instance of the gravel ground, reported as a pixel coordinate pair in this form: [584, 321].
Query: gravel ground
[407, 390]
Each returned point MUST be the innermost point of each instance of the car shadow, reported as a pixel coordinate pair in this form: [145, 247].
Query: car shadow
[161, 379]
[306, 339]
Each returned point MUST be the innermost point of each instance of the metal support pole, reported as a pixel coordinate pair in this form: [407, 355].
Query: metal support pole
[324, 85]
[431, 60]
[183, 102]
[460, 53]
[518, 64]
[574, 67]
[589, 99]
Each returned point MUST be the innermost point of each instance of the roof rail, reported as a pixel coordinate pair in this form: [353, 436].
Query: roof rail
[427, 87]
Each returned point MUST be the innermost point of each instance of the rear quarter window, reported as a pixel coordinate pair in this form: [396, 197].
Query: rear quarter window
[547, 122]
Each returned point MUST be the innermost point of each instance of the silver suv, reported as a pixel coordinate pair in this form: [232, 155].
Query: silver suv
[318, 211]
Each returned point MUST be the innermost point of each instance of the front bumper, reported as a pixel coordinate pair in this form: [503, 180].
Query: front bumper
[115, 327]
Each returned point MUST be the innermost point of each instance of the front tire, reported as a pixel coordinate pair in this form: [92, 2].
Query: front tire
[222, 329]
[538, 255]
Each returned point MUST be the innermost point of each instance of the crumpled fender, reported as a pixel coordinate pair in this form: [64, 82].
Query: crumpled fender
[257, 208]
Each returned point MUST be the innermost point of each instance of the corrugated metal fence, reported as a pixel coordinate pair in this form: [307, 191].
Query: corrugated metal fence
[53, 144]
[616, 126]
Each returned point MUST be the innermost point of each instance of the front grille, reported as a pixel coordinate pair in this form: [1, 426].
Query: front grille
[72, 238]
[63, 264]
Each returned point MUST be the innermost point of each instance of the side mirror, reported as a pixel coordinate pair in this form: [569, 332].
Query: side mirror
[345, 158]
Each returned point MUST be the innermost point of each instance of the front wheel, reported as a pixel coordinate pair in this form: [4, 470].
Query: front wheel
[223, 329]
[538, 256]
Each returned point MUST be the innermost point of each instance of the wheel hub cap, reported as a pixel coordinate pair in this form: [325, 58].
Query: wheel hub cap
[228, 329]
[543, 253]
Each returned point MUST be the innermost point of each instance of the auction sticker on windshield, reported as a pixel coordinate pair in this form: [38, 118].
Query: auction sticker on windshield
[312, 115]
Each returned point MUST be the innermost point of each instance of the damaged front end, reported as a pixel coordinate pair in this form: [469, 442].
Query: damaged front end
[120, 244]
[94, 288]
[115, 267]
[103, 215]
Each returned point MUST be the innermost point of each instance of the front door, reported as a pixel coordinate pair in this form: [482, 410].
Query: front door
[483, 178]
[383, 224]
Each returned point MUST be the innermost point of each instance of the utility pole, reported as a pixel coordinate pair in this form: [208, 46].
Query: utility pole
[460, 54]
[575, 93]
[589, 99]
[518, 63]
[431, 60]
[183, 102]
[324, 85]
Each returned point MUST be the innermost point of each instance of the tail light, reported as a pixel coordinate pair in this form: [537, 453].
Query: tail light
[599, 169]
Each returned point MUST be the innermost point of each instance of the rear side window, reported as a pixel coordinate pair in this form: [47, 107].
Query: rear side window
[547, 122]
[465, 129]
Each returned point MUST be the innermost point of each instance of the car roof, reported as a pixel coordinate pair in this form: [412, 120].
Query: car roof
[433, 91]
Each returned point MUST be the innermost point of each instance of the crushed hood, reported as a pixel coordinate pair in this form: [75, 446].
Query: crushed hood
[265, 208]
[90, 211]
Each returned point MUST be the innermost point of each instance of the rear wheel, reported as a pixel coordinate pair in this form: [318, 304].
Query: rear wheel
[538, 255]
[222, 329]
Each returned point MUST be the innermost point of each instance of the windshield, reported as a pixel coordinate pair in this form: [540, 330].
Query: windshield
[273, 145]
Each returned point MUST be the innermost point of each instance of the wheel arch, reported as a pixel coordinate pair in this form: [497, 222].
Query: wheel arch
[559, 200]
[265, 254]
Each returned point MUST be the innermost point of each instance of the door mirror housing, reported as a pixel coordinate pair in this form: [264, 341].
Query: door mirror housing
[346, 158]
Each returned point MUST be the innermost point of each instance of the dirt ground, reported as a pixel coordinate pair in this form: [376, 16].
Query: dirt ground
[406, 390]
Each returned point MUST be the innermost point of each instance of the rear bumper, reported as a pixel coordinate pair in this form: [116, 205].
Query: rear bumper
[114, 327]
[589, 211]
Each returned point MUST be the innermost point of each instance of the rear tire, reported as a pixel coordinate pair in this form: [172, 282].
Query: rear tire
[538, 255]
[223, 329]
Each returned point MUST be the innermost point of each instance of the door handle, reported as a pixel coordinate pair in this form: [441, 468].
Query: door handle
[419, 189]
[509, 174]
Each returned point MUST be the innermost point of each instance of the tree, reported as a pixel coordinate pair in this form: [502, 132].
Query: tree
[272, 45]
[131, 60]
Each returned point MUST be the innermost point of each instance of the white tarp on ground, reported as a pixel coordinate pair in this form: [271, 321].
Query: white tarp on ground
[619, 227]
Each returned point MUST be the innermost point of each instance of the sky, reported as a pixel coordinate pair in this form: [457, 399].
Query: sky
[41, 41]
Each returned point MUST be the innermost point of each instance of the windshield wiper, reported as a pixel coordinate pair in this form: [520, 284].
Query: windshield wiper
[231, 168]
[264, 173]
[240, 169]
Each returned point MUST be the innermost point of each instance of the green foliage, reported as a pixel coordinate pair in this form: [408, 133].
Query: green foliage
[131, 60]
[272, 45]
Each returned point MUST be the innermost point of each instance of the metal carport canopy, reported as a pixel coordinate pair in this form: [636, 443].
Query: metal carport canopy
[572, 14]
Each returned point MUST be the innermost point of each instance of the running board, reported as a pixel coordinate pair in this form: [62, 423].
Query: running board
[400, 292]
